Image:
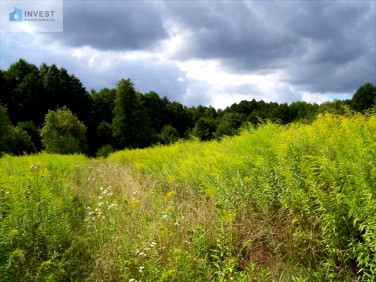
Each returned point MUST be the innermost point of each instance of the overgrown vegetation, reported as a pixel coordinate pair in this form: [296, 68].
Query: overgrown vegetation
[122, 117]
[277, 203]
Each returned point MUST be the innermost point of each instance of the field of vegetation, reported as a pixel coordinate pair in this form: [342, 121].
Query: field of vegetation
[277, 203]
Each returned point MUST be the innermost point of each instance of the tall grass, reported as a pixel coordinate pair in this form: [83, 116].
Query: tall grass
[278, 203]
[303, 195]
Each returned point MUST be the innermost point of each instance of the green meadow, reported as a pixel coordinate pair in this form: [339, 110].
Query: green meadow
[276, 203]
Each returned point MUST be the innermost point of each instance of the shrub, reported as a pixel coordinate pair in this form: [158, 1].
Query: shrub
[63, 133]
[104, 151]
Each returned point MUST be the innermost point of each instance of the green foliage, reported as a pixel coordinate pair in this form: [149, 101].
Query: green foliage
[309, 189]
[333, 107]
[179, 117]
[104, 133]
[33, 131]
[63, 133]
[205, 129]
[63, 90]
[230, 124]
[105, 151]
[39, 221]
[7, 137]
[23, 143]
[29, 92]
[169, 135]
[157, 109]
[130, 125]
[364, 98]
[276, 203]
[103, 104]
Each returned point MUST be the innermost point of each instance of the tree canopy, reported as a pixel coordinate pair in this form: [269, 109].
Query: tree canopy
[33, 97]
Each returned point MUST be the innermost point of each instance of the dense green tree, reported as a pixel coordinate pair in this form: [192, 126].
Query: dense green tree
[24, 96]
[33, 131]
[62, 89]
[104, 134]
[4, 89]
[281, 113]
[229, 124]
[333, 107]
[63, 133]
[29, 92]
[203, 112]
[364, 98]
[303, 111]
[99, 126]
[157, 109]
[23, 143]
[169, 135]
[244, 107]
[103, 105]
[205, 128]
[130, 124]
[260, 113]
[180, 118]
[7, 137]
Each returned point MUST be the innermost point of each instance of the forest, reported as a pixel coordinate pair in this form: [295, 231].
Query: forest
[46, 108]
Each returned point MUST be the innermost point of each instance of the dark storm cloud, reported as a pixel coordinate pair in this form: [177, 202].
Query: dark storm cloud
[111, 25]
[340, 40]
[320, 45]
[236, 33]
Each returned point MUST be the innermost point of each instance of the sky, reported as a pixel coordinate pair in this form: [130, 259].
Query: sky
[211, 52]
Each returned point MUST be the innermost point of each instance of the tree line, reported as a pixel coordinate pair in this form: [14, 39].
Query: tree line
[46, 108]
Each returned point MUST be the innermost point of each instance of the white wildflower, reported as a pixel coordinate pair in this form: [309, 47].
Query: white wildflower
[112, 206]
[142, 254]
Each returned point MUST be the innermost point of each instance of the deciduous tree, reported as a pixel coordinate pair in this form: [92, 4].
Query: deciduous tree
[130, 124]
[63, 133]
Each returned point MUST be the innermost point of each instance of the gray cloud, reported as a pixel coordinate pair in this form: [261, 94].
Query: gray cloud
[112, 25]
[236, 33]
[320, 45]
[314, 46]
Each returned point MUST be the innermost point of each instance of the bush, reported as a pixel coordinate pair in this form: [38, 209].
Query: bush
[33, 131]
[104, 151]
[63, 133]
[23, 143]
[169, 135]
